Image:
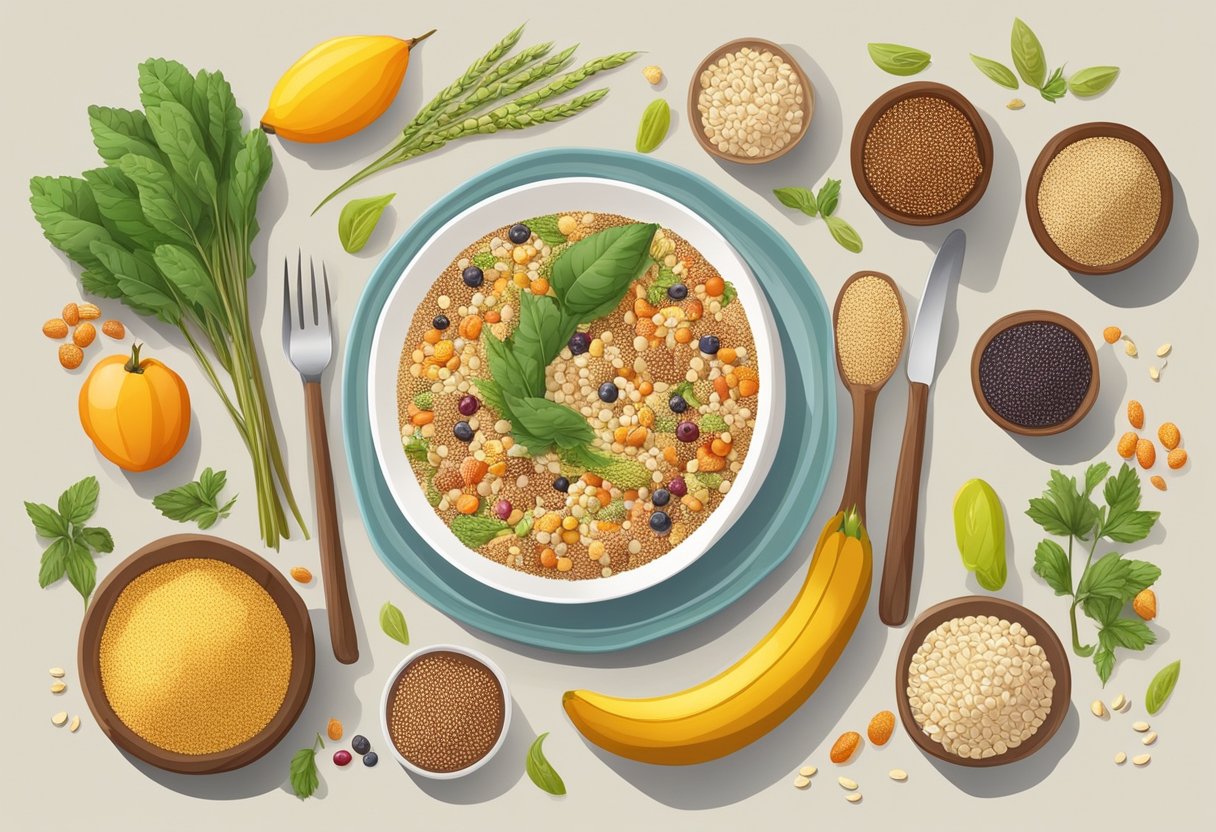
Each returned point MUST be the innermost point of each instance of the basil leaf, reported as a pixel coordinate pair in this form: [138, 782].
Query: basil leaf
[1056, 86]
[1028, 57]
[167, 208]
[1051, 564]
[143, 287]
[82, 571]
[303, 772]
[591, 276]
[540, 336]
[163, 81]
[118, 203]
[392, 621]
[184, 271]
[179, 138]
[78, 503]
[1161, 687]
[656, 121]
[996, 71]
[250, 170]
[828, 197]
[979, 530]
[505, 367]
[65, 208]
[358, 220]
[196, 501]
[544, 227]
[492, 396]
[897, 59]
[540, 771]
[47, 522]
[798, 198]
[1092, 80]
[97, 539]
[222, 127]
[54, 562]
[475, 531]
[547, 420]
[117, 132]
[844, 234]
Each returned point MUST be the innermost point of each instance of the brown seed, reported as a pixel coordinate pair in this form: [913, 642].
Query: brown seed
[1169, 435]
[1146, 453]
[1176, 458]
[301, 574]
[70, 356]
[1127, 445]
[84, 334]
[1158, 482]
[55, 328]
[114, 328]
[71, 314]
[1135, 414]
[881, 727]
[88, 312]
[844, 746]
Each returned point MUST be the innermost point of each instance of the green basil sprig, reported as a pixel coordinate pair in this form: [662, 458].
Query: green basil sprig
[73, 544]
[822, 205]
[1056, 86]
[540, 771]
[898, 59]
[1030, 61]
[358, 220]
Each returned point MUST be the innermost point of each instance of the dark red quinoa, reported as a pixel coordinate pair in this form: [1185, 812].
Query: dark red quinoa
[1035, 374]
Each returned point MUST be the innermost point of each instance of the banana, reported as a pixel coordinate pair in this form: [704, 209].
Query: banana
[750, 698]
[338, 87]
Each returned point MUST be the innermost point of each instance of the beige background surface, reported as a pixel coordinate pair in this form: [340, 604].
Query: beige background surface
[56, 59]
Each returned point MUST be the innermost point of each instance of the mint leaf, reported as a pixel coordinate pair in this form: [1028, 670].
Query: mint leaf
[1104, 662]
[1094, 475]
[828, 197]
[195, 502]
[1131, 633]
[1056, 86]
[1124, 522]
[78, 503]
[1102, 610]
[82, 571]
[798, 198]
[99, 540]
[303, 770]
[46, 520]
[54, 562]
[1051, 564]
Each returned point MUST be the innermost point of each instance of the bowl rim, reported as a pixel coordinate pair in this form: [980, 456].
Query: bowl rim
[291, 605]
[694, 93]
[1030, 316]
[918, 89]
[1061, 695]
[476, 656]
[1089, 130]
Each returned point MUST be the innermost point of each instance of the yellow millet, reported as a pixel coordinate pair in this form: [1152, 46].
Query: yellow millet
[195, 656]
[1099, 200]
[869, 330]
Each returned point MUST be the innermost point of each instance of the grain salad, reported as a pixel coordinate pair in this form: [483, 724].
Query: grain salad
[646, 394]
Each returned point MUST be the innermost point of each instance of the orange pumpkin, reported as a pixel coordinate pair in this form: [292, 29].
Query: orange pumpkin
[136, 411]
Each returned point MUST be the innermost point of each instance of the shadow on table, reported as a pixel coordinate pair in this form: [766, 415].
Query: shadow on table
[497, 777]
[1002, 781]
[1158, 275]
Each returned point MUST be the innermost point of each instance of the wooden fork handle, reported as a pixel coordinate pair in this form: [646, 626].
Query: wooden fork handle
[896, 588]
[333, 568]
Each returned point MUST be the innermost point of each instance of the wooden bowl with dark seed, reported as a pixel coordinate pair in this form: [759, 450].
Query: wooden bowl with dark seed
[1091, 130]
[694, 94]
[303, 655]
[921, 89]
[930, 619]
[1032, 316]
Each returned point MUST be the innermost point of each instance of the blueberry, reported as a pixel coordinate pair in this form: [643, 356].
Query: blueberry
[678, 487]
[520, 233]
[660, 522]
[561, 484]
[468, 405]
[473, 277]
[361, 744]
[677, 291]
[609, 392]
[370, 759]
[688, 432]
[660, 497]
[441, 322]
[677, 404]
[579, 343]
[709, 344]
[463, 431]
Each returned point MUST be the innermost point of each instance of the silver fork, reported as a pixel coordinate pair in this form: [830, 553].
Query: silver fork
[309, 343]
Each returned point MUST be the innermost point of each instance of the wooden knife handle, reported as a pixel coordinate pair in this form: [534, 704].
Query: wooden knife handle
[896, 586]
[329, 539]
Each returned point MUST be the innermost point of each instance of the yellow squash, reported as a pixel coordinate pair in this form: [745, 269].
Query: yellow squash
[338, 87]
[750, 698]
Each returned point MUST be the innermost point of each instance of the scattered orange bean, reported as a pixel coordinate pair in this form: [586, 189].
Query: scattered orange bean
[55, 328]
[114, 328]
[467, 504]
[540, 286]
[1127, 445]
[470, 327]
[71, 314]
[715, 286]
[84, 334]
[719, 447]
[669, 454]
[423, 417]
[1176, 458]
[645, 388]
[1146, 453]
[1112, 334]
[844, 747]
[721, 388]
[642, 308]
[1158, 482]
[88, 311]
[1135, 414]
[881, 727]
[70, 356]
[548, 558]
[301, 574]
[637, 437]
[748, 387]
[683, 335]
[1169, 435]
[333, 729]
[728, 355]
[493, 317]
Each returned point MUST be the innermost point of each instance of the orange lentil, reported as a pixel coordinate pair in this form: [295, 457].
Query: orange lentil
[645, 388]
[570, 536]
[500, 285]
[748, 387]
[1176, 458]
[301, 574]
[630, 495]
[604, 496]
[432, 336]
[467, 504]
[333, 729]
[683, 335]
[881, 727]
[470, 327]
[594, 480]
[844, 747]
[727, 355]
[1158, 482]
[1146, 453]
[637, 437]
[642, 308]
[548, 558]
[1127, 445]
[1169, 435]
[1112, 334]
[619, 435]
[540, 286]
[423, 417]
[719, 447]
[732, 380]
[721, 388]
[715, 286]
[492, 317]
[669, 454]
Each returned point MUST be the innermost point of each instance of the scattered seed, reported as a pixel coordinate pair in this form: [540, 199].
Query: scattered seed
[1098, 709]
[1130, 347]
[1120, 758]
[846, 783]
[807, 771]
[75, 726]
[855, 797]
[1149, 738]
[1135, 414]
[1112, 334]
[57, 672]
[1164, 350]
[801, 782]
[1158, 482]
[1140, 726]
[898, 775]
[58, 687]
[1119, 703]
[59, 719]
[1016, 104]
[1154, 373]
[1141, 759]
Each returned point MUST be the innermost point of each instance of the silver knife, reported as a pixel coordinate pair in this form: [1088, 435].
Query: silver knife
[896, 584]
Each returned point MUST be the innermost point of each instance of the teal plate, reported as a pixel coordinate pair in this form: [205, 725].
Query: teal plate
[760, 540]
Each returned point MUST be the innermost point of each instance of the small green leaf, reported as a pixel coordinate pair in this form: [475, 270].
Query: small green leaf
[1056, 86]
[54, 562]
[1130, 633]
[78, 503]
[545, 227]
[996, 71]
[47, 522]
[392, 621]
[196, 502]
[1051, 564]
[540, 771]
[97, 539]
[303, 772]
[592, 275]
[979, 530]
[828, 197]
[656, 121]
[358, 220]
[82, 571]
[1104, 663]
[897, 59]
[475, 531]
[1094, 475]
[844, 234]
[1092, 80]
[1028, 57]
[798, 198]
[1161, 687]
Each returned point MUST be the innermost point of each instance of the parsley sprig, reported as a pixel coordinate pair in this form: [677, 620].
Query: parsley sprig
[196, 501]
[72, 542]
[1107, 584]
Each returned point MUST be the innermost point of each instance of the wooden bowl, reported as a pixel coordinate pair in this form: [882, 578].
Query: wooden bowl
[920, 89]
[1029, 316]
[1091, 130]
[166, 550]
[694, 93]
[986, 605]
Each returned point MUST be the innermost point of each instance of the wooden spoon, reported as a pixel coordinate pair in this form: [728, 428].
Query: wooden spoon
[864, 395]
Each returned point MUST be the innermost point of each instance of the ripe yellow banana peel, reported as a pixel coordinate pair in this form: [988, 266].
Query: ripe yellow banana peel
[750, 698]
[338, 87]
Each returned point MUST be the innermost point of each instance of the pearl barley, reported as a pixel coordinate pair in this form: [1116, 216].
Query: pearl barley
[751, 103]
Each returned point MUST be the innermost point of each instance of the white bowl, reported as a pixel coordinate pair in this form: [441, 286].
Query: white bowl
[506, 710]
[546, 197]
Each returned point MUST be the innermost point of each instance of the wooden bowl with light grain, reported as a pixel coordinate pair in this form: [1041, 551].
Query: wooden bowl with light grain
[195, 546]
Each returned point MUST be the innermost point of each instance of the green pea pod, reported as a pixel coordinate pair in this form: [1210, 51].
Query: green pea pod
[656, 121]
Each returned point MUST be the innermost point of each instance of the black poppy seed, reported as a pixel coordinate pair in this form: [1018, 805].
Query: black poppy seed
[1035, 374]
